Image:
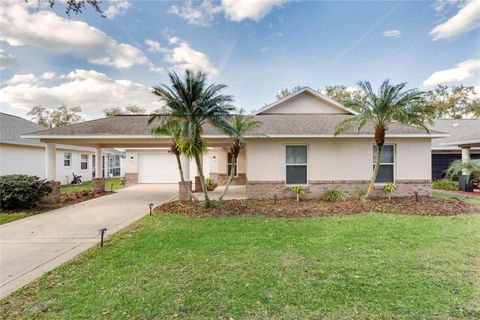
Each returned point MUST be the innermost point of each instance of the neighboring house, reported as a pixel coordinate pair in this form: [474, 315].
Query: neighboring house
[295, 145]
[446, 150]
[27, 156]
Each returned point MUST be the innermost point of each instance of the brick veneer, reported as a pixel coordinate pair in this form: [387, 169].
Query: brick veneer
[182, 193]
[270, 189]
[131, 179]
[98, 184]
[54, 195]
[222, 178]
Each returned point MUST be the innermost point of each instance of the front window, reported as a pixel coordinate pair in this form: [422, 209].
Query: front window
[230, 165]
[296, 164]
[386, 171]
[67, 159]
[84, 161]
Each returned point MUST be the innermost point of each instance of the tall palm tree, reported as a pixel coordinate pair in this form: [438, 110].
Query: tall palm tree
[193, 104]
[173, 128]
[392, 103]
[241, 123]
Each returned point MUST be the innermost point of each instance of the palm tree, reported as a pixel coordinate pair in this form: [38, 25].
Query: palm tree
[173, 128]
[193, 104]
[466, 168]
[241, 123]
[391, 104]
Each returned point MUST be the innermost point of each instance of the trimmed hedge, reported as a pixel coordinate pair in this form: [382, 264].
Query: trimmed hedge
[445, 184]
[20, 191]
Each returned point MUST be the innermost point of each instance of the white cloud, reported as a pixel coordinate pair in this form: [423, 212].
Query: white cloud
[441, 5]
[466, 19]
[183, 57]
[234, 10]
[154, 46]
[91, 90]
[461, 72]
[28, 78]
[199, 16]
[6, 59]
[263, 50]
[238, 10]
[395, 33]
[45, 29]
[48, 75]
[116, 7]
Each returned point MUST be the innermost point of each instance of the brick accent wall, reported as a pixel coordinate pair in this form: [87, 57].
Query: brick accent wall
[98, 184]
[54, 195]
[131, 179]
[315, 189]
[182, 193]
[222, 178]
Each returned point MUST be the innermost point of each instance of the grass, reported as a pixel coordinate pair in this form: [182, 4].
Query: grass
[374, 266]
[110, 184]
[6, 217]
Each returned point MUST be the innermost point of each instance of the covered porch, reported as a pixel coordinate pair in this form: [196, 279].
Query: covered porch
[148, 160]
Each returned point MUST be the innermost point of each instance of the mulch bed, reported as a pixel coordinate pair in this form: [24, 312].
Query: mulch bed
[426, 206]
[75, 197]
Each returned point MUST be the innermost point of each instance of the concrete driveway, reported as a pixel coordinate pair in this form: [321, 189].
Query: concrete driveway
[35, 245]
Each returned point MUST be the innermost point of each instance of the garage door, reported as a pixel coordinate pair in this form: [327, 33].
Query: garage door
[157, 168]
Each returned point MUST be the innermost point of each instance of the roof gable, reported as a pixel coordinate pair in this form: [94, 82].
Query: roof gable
[305, 101]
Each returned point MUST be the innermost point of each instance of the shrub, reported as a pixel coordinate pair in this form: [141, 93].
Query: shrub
[334, 195]
[389, 188]
[210, 184]
[445, 184]
[299, 191]
[22, 191]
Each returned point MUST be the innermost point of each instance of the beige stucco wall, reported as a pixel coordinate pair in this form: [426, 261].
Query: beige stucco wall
[337, 158]
[305, 103]
[219, 164]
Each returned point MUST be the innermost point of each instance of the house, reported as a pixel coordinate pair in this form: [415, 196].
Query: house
[462, 132]
[27, 156]
[295, 145]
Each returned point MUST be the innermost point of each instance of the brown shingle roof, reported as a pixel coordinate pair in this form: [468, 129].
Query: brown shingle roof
[278, 124]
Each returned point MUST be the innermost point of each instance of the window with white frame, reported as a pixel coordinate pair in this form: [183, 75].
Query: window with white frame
[230, 165]
[386, 171]
[84, 162]
[67, 159]
[296, 164]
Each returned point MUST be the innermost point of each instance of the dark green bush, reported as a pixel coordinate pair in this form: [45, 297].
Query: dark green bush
[19, 191]
[334, 195]
[445, 184]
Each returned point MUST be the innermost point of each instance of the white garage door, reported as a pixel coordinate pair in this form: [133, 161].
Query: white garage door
[157, 168]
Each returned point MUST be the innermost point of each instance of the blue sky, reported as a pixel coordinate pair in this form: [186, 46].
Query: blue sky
[256, 48]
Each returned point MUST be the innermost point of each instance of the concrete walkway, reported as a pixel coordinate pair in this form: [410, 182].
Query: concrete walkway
[32, 246]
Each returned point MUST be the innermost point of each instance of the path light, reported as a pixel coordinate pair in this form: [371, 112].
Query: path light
[151, 206]
[102, 233]
[416, 195]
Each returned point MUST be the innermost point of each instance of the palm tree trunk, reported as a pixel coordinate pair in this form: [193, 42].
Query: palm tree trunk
[187, 188]
[230, 177]
[202, 181]
[375, 171]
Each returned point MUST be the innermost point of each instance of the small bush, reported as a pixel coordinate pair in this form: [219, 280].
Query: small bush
[18, 191]
[445, 184]
[334, 195]
[389, 188]
[299, 191]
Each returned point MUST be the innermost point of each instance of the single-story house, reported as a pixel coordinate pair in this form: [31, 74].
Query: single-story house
[27, 156]
[295, 145]
[462, 133]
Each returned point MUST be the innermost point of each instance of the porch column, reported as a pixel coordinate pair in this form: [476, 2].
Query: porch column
[98, 183]
[198, 184]
[182, 194]
[51, 162]
[51, 172]
[465, 157]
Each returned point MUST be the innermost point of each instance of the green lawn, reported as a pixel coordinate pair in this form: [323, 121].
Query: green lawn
[373, 266]
[12, 216]
[110, 184]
